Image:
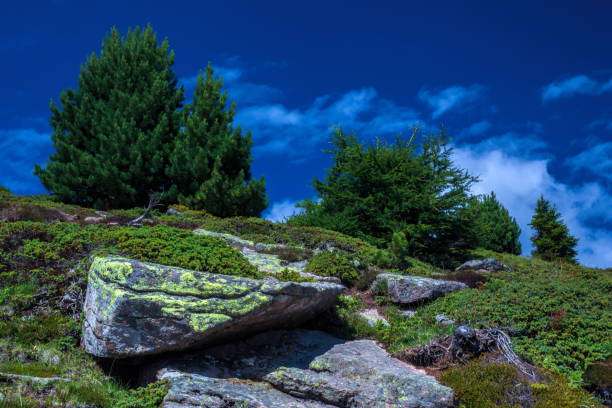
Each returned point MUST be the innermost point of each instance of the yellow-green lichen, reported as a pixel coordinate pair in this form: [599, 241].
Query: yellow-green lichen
[320, 364]
[204, 321]
[112, 268]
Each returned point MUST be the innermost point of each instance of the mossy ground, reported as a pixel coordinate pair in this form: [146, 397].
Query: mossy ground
[559, 315]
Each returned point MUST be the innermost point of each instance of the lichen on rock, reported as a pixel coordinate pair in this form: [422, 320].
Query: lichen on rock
[134, 308]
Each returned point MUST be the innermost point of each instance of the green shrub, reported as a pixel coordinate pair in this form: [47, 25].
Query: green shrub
[150, 396]
[30, 369]
[559, 313]
[21, 402]
[289, 275]
[479, 384]
[176, 247]
[96, 395]
[40, 328]
[333, 263]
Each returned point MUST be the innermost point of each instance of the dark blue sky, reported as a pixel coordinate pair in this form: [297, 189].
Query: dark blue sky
[525, 91]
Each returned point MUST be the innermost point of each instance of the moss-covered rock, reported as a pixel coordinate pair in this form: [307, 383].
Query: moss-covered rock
[135, 308]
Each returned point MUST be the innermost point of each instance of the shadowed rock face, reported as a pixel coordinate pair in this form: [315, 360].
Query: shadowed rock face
[137, 308]
[299, 368]
[404, 289]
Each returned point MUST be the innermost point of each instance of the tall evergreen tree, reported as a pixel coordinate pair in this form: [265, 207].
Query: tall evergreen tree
[373, 191]
[494, 228]
[211, 159]
[551, 238]
[113, 135]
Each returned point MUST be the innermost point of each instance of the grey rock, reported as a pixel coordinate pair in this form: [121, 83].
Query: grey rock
[408, 313]
[360, 374]
[444, 320]
[489, 265]
[299, 368]
[330, 279]
[197, 391]
[94, 220]
[403, 289]
[172, 211]
[137, 308]
[372, 317]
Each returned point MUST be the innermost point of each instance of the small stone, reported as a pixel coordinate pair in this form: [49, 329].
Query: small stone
[172, 211]
[488, 265]
[403, 289]
[408, 313]
[373, 317]
[94, 220]
[444, 320]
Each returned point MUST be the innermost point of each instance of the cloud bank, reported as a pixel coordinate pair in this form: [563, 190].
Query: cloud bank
[519, 179]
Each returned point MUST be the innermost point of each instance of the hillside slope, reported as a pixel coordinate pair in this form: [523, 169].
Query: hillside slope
[558, 316]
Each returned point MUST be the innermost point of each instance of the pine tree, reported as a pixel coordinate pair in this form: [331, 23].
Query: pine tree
[211, 159]
[551, 240]
[112, 136]
[494, 228]
[378, 190]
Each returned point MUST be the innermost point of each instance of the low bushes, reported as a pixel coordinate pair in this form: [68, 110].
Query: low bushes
[479, 384]
[333, 263]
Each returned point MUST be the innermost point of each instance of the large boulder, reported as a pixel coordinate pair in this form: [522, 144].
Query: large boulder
[487, 265]
[406, 290]
[299, 368]
[135, 308]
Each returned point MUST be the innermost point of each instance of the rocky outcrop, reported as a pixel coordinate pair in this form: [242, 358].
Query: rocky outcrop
[299, 368]
[405, 290]
[487, 265]
[137, 308]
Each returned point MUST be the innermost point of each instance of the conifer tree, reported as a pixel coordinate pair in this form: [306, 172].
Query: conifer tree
[551, 238]
[384, 190]
[211, 159]
[113, 134]
[494, 228]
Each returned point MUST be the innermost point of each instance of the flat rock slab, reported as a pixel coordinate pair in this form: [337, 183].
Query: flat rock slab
[489, 265]
[299, 368]
[403, 289]
[265, 262]
[135, 308]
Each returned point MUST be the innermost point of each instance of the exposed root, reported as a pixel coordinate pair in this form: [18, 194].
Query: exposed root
[463, 345]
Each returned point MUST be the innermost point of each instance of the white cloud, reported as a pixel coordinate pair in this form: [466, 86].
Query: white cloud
[281, 210]
[444, 100]
[279, 129]
[597, 160]
[519, 180]
[576, 85]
